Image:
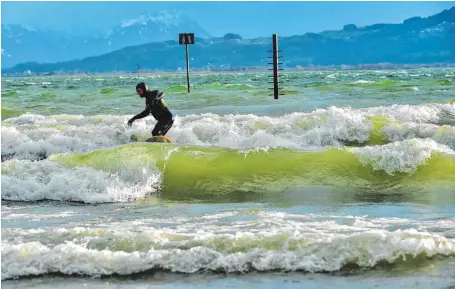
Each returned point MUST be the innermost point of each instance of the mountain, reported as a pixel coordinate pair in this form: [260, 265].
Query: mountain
[415, 41]
[155, 28]
[22, 44]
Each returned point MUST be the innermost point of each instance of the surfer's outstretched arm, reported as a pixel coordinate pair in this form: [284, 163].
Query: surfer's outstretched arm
[139, 116]
[142, 114]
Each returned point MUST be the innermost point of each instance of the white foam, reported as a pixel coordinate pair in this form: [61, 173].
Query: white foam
[320, 128]
[46, 180]
[35, 134]
[402, 156]
[441, 134]
[29, 118]
[31, 134]
[37, 217]
[423, 113]
[363, 81]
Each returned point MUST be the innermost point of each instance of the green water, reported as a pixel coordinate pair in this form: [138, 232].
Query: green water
[228, 93]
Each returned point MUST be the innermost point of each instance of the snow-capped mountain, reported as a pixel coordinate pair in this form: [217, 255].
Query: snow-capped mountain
[165, 25]
[25, 44]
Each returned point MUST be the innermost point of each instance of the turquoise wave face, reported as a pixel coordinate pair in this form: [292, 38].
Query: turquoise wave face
[198, 173]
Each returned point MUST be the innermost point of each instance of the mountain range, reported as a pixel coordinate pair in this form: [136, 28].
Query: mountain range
[416, 40]
[23, 44]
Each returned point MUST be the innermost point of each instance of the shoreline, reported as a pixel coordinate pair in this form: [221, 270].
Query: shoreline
[364, 67]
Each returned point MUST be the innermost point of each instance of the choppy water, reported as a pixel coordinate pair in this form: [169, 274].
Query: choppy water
[348, 178]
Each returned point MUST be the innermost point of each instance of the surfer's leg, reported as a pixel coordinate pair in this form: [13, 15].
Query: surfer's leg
[161, 128]
[167, 127]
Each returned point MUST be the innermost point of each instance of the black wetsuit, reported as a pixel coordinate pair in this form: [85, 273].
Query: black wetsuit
[155, 105]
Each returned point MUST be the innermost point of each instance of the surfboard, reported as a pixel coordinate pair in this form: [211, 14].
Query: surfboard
[159, 139]
[162, 139]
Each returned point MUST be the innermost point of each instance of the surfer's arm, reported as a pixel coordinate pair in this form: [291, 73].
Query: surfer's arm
[142, 114]
[139, 116]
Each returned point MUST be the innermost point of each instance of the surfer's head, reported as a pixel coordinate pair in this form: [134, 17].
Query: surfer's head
[141, 88]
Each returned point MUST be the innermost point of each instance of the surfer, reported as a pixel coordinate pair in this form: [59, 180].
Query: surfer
[155, 105]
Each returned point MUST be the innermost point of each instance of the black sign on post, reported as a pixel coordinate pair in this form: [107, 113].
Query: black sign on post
[187, 38]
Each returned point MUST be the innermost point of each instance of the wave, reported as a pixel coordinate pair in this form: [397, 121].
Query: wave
[444, 82]
[10, 113]
[44, 180]
[178, 172]
[108, 90]
[9, 94]
[212, 85]
[94, 252]
[32, 136]
[47, 96]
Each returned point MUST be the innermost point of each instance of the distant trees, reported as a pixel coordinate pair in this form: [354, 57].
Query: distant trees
[232, 36]
[349, 27]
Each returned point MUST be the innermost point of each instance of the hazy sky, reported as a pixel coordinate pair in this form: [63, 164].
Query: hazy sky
[250, 19]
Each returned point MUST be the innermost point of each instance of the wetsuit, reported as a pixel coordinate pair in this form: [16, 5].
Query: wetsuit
[155, 105]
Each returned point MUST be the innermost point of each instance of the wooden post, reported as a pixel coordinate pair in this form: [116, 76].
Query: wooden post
[187, 68]
[275, 69]
[275, 66]
[187, 38]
